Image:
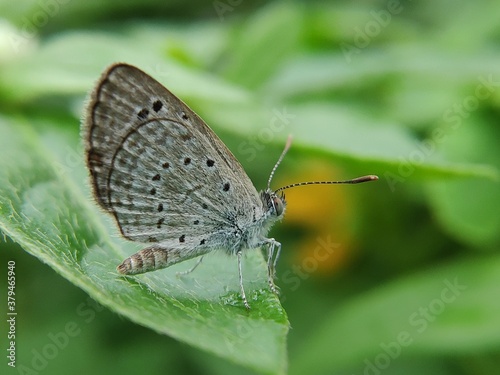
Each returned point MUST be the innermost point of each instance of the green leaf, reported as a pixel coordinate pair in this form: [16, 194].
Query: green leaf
[332, 131]
[44, 208]
[469, 209]
[443, 311]
[397, 157]
[263, 44]
[47, 71]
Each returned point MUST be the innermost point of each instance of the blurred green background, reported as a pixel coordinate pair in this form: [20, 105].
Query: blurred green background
[397, 276]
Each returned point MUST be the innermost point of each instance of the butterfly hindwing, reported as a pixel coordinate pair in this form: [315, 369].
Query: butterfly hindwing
[155, 165]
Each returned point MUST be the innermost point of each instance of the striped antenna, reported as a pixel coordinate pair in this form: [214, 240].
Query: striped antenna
[357, 180]
[287, 146]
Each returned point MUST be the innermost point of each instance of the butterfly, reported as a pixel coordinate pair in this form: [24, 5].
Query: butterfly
[170, 182]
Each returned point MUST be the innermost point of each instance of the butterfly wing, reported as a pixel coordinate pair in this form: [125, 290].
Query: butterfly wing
[157, 167]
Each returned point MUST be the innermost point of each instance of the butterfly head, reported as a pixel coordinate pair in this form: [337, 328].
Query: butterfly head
[274, 200]
[274, 204]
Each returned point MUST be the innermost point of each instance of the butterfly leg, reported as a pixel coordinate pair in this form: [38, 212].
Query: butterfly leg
[182, 273]
[271, 263]
[243, 296]
[278, 245]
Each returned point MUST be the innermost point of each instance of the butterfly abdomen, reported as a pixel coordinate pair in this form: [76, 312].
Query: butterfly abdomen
[149, 259]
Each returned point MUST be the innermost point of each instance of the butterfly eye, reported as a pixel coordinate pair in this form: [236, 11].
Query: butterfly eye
[278, 205]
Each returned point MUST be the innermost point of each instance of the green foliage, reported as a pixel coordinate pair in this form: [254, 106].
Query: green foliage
[440, 316]
[405, 91]
[49, 216]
